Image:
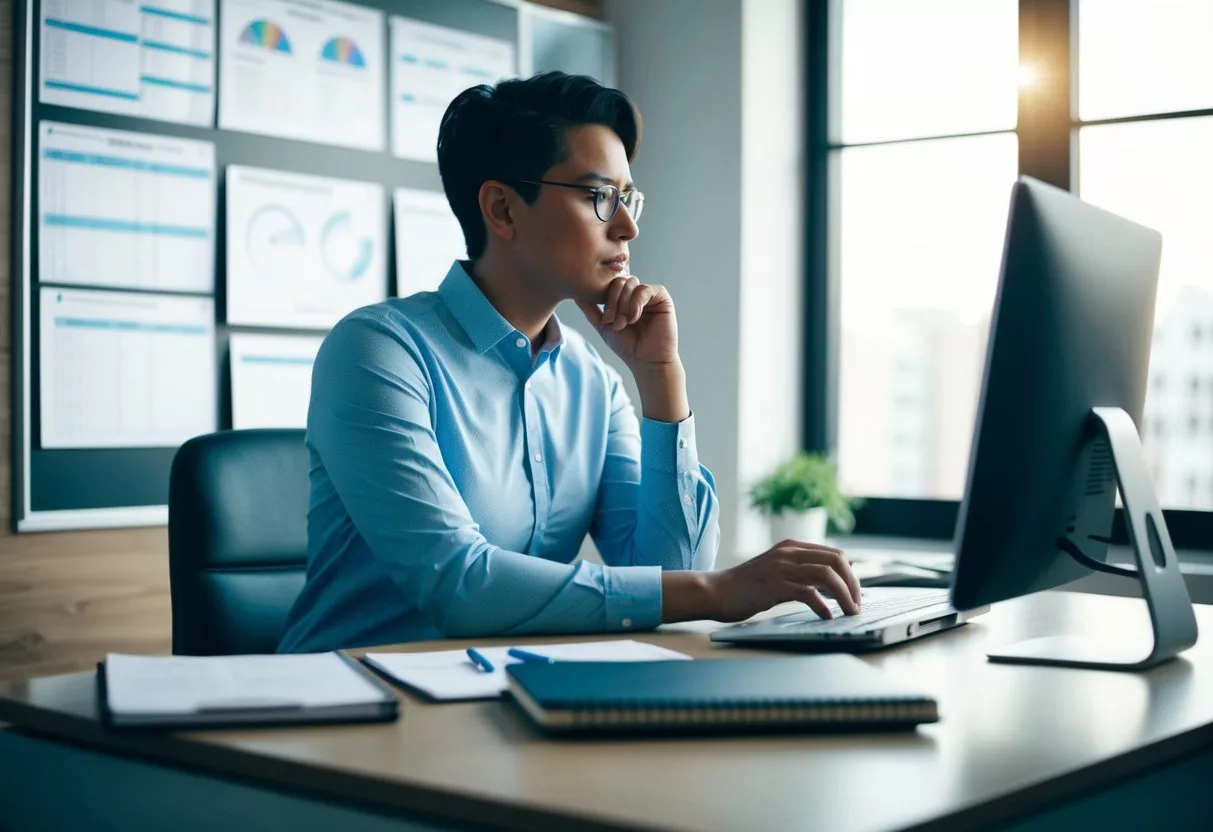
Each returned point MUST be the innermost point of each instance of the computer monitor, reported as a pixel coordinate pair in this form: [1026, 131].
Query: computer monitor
[1062, 394]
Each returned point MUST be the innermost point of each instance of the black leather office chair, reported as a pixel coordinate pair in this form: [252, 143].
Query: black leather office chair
[237, 539]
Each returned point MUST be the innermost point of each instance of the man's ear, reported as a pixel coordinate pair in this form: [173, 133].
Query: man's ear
[497, 203]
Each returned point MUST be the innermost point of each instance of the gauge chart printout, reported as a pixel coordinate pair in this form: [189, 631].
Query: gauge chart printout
[125, 369]
[303, 69]
[271, 379]
[147, 58]
[302, 251]
[127, 210]
[430, 66]
[428, 240]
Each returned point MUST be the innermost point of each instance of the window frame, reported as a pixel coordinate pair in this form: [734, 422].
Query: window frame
[1047, 130]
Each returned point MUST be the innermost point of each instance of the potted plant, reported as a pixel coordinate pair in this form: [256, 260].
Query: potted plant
[800, 498]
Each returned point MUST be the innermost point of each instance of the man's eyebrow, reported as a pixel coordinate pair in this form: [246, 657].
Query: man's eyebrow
[595, 176]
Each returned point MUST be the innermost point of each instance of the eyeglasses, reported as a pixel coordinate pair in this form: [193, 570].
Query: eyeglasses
[607, 198]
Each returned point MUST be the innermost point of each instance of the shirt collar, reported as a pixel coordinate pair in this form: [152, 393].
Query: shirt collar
[481, 321]
[553, 337]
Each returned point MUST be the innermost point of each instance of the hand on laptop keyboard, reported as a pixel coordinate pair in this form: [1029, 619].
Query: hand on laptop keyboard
[788, 571]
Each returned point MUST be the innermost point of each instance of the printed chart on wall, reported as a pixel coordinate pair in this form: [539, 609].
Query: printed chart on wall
[302, 251]
[428, 240]
[303, 69]
[121, 369]
[127, 210]
[271, 379]
[153, 58]
[430, 66]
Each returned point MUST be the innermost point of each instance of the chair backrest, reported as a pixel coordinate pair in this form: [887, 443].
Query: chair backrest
[237, 539]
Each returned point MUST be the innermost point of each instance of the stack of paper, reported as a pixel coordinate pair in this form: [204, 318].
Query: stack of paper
[200, 690]
[450, 674]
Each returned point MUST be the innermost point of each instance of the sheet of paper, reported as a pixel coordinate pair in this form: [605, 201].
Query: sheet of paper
[128, 210]
[450, 674]
[183, 684]
[430, 66]
[150, 59]
[271, 379]
[302, 251]
[428, 240]
[124, 369]
[303, 69]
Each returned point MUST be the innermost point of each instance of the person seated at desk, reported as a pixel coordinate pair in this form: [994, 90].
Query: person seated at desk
[463, 442]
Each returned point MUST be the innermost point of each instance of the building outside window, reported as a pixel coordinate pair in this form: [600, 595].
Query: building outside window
[925, 113]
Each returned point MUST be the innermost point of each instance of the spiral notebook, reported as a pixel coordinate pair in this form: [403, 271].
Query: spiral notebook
[830, 692]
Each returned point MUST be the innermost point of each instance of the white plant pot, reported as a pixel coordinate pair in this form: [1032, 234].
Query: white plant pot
[807, 527]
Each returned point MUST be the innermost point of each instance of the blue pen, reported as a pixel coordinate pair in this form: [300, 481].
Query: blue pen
[479, 660]
[527, 656]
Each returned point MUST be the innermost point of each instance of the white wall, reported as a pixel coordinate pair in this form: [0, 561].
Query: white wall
[772, 243]
[718, 83]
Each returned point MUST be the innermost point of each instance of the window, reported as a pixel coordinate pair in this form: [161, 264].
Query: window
[920, 118]
[925, 161]
[1145, 107]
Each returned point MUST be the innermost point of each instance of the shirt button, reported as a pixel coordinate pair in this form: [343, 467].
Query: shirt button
[682, 443]
[627, 622]
[528, 386]
[521, 342]
[687, 499]
[543, 526]
[539, 457]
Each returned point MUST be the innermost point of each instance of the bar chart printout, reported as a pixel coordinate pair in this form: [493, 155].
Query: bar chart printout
[125, 369]
[125, 210]
[147, 58]
[271, 379]
[430, 66]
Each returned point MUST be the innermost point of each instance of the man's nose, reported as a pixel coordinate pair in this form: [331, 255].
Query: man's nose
[623, 227]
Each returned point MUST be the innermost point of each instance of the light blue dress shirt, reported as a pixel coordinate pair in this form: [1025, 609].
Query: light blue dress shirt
[453, 480]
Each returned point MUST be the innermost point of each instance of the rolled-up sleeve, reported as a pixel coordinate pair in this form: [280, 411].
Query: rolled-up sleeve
[657, 505]
[371, 425]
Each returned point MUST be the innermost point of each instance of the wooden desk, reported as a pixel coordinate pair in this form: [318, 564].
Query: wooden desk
[1011, 741]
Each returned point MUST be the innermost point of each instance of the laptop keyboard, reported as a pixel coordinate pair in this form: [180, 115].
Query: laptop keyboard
[869, 613]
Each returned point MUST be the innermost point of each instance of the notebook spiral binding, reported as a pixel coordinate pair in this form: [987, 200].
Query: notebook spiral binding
[711, 712]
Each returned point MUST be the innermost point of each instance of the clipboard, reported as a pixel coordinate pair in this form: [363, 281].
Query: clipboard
[254, 714]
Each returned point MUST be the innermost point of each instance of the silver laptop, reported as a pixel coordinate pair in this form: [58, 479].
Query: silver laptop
[888, 615]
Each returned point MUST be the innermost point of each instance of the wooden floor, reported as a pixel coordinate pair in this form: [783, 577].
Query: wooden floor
[68, 598]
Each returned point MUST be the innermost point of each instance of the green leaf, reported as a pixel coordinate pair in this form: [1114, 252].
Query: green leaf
[803, 482]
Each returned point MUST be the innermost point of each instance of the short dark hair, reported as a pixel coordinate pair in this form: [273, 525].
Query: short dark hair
[515, 130]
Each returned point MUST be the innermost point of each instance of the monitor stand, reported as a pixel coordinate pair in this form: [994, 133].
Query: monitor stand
[1171, 617]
